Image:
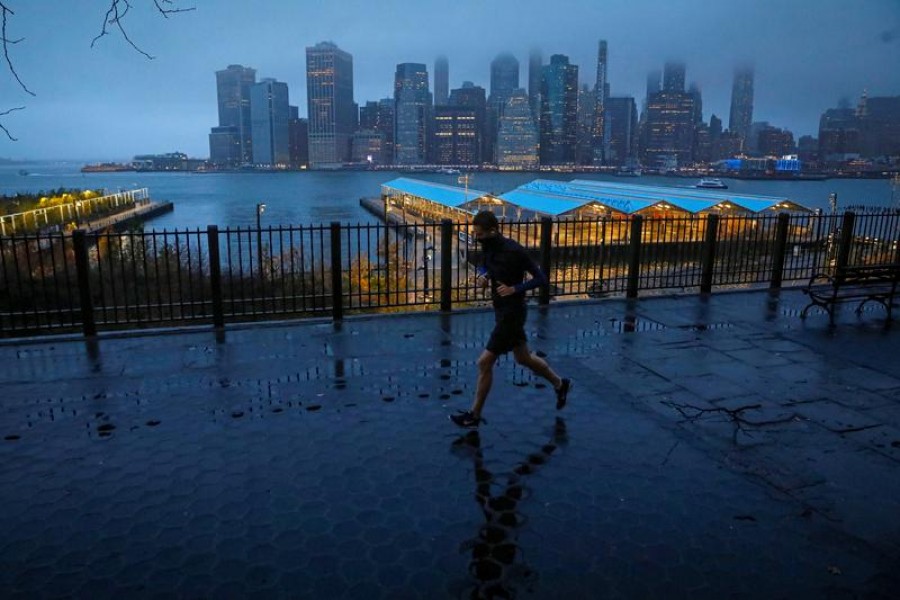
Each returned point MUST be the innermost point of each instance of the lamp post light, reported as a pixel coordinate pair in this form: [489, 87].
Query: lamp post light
[895, 188]
[260, 209]
[426, 258]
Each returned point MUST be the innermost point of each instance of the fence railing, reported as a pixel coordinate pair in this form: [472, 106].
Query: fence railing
[93, 281]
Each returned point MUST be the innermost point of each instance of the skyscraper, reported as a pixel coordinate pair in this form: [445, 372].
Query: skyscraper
[473, 96]
[504, 80]
[584, 147]
[880, 118]
[694, 92]
[455, 136]
[670, 128]
[535, 62]
[559, 111]
[775, 142]
[599, 105]
[441, 81]
[368, 116]
[741, 102]
[653, 84]
[517, 138]
[621, 116]
[385, 126]
[298, 136]
[233, 93]
[504, 76]
[412, 102]
[840, 135]
[269, 115]
[329, 93]
[673, 77]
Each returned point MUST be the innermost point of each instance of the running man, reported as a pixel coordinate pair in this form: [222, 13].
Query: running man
[505, 263]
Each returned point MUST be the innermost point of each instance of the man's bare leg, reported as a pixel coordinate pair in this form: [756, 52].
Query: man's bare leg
[485, 380]
[537, 364]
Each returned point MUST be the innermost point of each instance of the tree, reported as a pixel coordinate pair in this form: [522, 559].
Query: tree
[113, 20]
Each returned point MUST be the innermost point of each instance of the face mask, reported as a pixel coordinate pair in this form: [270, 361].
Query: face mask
[491, 243]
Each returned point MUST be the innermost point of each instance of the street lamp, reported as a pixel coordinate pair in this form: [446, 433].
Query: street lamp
[260, 209]
[895, 186]
[426, 257]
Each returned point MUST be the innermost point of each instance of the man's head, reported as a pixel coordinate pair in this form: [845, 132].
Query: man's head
[485, 226]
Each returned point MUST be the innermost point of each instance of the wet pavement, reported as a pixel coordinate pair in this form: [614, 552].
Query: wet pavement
[712, 448]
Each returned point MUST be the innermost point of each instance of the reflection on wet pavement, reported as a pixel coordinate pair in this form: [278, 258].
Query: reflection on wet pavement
[497, 563]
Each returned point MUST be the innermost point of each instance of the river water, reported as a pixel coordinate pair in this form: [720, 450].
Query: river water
[313, 197]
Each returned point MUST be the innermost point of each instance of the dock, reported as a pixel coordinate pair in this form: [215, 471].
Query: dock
[120, 221]
[406, 219]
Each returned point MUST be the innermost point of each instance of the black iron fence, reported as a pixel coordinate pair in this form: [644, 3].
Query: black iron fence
[90, 281]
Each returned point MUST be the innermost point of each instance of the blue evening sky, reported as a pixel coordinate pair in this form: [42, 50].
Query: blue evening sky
[109, 102]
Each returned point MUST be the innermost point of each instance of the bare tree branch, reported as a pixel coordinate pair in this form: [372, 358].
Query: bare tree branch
[5, 130]
[6, 43]
[117, 11]
[114, 18]
[169, 11]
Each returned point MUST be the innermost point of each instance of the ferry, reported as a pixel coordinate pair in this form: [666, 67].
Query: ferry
[712, 183]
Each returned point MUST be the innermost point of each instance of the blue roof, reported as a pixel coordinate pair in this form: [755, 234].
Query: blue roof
[584, 195]
[690, 198]
[556, 198]
[547, 204]
[448, 195]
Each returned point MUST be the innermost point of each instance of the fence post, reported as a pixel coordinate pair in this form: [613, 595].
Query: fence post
[708, 260]
[446, 264]
[846, 242]
[781, 233]
[546, 242]
[634, 256]
[83, 271]
[215, 275]
[337, 293]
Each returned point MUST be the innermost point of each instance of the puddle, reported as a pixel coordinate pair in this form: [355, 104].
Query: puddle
[634, 325]
[706, 326]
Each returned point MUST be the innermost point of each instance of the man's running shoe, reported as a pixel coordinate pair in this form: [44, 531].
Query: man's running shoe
[562, 392]
[466, 418]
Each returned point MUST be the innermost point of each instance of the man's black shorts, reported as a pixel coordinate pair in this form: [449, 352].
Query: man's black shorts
[509, 329]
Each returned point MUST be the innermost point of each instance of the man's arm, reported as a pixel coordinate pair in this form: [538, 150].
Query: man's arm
[537, 278]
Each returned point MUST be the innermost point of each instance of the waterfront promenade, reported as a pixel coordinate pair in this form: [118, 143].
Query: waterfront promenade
[716, 447]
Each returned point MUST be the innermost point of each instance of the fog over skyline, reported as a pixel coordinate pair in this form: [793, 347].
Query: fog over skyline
[110, 103]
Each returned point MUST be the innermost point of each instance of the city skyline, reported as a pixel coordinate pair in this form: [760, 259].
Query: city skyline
[803, 63]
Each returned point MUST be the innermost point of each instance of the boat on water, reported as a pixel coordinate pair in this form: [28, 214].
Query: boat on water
[23, 172]
[712, 183]
[628, 172]
[449, 171]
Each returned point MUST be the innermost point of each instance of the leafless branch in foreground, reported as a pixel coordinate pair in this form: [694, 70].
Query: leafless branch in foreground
[5, 130]
[118, 10]
[7, 42]
[161, 6]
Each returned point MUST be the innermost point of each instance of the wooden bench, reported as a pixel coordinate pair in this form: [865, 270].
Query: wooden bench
[870, 283]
